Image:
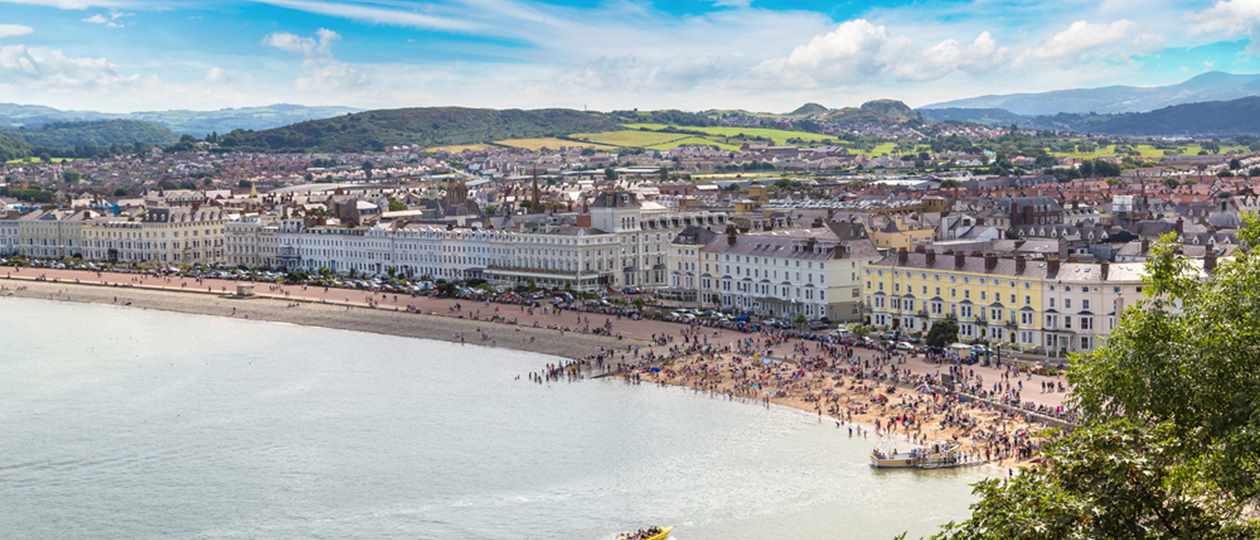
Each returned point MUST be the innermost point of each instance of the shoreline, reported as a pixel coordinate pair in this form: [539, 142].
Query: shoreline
[340, 316]
[861, 406]
[507, 326]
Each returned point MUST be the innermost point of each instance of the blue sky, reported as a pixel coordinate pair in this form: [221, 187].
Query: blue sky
[771, 55]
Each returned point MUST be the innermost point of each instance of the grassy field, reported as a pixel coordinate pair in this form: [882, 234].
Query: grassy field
[1147, 151]
[693, 140]
[33, 159]
[547, 142]
[629, 138]
[779, 136]
[879, 150]
[459, 148]
[1102, 151]
[732, 175]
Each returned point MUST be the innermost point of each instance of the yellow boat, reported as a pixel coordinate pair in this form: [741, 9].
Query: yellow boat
[655, 533]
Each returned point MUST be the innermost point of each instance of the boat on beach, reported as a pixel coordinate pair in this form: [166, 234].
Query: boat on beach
[938, 456]
[651, 533]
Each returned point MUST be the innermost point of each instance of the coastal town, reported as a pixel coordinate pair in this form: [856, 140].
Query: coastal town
[815, 290]
[630, 270]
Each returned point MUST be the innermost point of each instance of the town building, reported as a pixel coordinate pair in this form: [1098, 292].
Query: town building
[569, 257]
[52, 234]
[793, 274]
[644, 230]
[170, 235]
[251, 242]
[994, 299]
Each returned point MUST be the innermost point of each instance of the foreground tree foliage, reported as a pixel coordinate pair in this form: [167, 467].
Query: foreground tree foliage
[1169, 446]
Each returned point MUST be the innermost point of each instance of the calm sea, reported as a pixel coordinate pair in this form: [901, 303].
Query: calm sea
[124, 423]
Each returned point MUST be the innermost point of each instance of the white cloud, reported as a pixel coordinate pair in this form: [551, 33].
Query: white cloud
[318, 46]
[626, 53]
[14, 30]
[1082, 36]
[321, 72]
[373, 14]
[70, 4]
[113, 20]
[38, 67]
[859, 50]
[1229, 18]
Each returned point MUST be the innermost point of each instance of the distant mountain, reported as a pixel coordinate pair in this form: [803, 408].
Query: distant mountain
[1211, 86]
[807, 109]
[1220, 118]
[1211, 118]
[880, 113]
[374, 130]
[197, 123]
[987, 117]
[14, 115]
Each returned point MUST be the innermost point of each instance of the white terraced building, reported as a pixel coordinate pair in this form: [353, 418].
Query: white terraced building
[52, 234]
[810, 273]
[177, 235]
[9, 239]
[644, 232]
[567, 257]
[252, 242]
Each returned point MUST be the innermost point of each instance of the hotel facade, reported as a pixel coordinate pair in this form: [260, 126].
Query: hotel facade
[1033, 305]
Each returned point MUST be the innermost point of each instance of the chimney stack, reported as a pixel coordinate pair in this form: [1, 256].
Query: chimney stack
[903, 257]
[931, 257]
[990, 262]
[1209, 260]
[960, 259]
[1180, 226]
[1021, 264]
[730, 235]
[1052, 266]
[1104, 268]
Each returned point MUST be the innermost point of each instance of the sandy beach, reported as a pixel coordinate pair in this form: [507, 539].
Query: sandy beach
[307, 313]
[892, 414]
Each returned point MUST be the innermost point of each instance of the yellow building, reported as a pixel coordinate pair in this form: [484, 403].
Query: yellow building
[994, 299]
[895, 236]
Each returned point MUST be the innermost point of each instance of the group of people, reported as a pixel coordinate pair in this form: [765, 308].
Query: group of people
[866, 388]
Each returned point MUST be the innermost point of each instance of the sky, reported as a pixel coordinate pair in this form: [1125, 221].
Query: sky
[762, 55]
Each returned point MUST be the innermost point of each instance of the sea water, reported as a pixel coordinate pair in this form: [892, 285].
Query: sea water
[126, 423]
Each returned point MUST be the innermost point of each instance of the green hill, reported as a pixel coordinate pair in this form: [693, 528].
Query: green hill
[13, 148]
[1234, 117]
[375, 130]
[88, 139]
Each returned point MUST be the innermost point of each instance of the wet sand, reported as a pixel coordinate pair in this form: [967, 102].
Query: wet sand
[308, 313]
